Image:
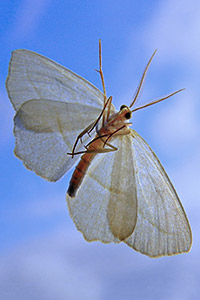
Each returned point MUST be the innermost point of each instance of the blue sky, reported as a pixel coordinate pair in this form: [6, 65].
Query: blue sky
[42, 255]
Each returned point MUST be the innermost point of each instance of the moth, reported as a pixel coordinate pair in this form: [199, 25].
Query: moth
[119, 191]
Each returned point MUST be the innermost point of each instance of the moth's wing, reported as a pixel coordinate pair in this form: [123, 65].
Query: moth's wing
[126, 195]
[162, 227]
[36, 78]
[33, 76]
[105, 206]
[46, 131]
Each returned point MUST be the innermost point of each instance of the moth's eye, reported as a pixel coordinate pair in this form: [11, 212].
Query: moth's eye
[123, 106]
[127, 115]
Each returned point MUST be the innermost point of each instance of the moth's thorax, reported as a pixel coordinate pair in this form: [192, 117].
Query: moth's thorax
[118, 122]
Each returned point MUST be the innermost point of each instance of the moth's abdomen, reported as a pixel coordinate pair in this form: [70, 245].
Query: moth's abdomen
[96, 146]
[79, 173]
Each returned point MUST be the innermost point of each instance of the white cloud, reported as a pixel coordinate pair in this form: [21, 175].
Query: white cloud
[64, 266]
[45, 269]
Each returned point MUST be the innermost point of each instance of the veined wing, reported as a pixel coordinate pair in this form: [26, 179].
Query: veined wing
[45, 132]
[126, 195]
[162, 227]
[105, 206]
[33, 76]
[53, 106]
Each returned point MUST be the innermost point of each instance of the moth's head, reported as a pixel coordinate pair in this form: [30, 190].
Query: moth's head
[125, 112]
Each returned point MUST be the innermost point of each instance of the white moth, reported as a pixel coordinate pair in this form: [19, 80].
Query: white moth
[119, 191]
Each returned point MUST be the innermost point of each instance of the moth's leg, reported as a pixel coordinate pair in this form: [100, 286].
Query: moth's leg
[97, 138]
[91, 126]
[108, 110]
[111, 146]
[101, 137]
[108, 102]
[100, 150]
[86, 130]
[120, 131]
[100, 71]
[96, 150]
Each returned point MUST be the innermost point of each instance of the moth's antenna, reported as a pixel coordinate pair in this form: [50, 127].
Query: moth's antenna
[158, 100]
[142, 80]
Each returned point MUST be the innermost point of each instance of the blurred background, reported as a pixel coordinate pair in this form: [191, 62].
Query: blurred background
[42, 255]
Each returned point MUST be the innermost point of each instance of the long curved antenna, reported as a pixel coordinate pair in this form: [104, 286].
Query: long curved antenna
[142, 79]
[158, 100]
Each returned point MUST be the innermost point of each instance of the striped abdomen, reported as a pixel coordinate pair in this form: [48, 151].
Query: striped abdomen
[83, 165]
[79, 173]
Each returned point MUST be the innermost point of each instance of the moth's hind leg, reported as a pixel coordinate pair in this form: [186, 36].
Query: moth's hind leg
[100, 150]
[100, 71]
[103, 149]
[90, 127]
[79, 137]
